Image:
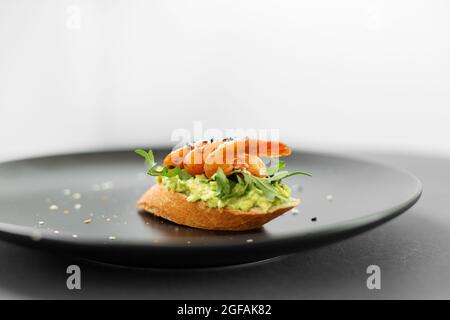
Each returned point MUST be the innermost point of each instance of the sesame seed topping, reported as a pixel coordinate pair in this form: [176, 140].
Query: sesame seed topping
[87, 221]
[53, 207]
[77, 206]
[330, 197]
[249, 240]
[112, 238]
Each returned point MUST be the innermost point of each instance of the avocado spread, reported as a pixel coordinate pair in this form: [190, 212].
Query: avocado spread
[200, 188]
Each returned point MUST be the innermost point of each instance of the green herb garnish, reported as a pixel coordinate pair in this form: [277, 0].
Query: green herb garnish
[234, 185]
[267, 185]
[285, 174]
[264, 185]
[275, 174]
[223, 184]
[164, 171]
[275, 168]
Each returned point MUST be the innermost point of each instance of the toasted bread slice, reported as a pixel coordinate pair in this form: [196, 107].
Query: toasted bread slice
[174, 206]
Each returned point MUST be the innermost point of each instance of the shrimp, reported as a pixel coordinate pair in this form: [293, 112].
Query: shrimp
[245, 162]
[176, 157]
[243, 154]
[191, 157]
[194, 160]
[260, 148]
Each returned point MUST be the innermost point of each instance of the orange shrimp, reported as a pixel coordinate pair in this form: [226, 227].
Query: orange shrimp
[194, 160]
[233, 155]
[191, 157]
[246, 162]
[260, 148]
[176, 157]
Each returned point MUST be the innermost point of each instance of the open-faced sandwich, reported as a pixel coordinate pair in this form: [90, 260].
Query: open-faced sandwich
[220, 185]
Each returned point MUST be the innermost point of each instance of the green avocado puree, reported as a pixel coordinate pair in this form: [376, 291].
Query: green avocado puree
[200, 188]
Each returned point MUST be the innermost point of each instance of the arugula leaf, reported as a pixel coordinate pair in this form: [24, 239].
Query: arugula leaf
[184, 175]
[285, 174]
[239, 188]
[228, 188]
[264, 185]
[172, 173]
[165, 171]
[223, 184]
[276, 175]
[149, 157]
[274, 169]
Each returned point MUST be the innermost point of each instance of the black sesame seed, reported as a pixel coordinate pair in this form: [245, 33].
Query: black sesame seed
[314, 219]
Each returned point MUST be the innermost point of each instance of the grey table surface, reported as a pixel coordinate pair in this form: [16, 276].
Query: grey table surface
[412, 251]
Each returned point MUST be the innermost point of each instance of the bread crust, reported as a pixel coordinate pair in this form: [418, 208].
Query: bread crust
[174, 206]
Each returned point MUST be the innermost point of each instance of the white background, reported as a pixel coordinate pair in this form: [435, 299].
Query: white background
[336, 75]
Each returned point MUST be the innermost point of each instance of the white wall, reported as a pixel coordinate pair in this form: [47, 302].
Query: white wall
[328, 74]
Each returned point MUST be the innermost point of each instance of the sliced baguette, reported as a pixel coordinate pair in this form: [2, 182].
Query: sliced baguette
[174, 206]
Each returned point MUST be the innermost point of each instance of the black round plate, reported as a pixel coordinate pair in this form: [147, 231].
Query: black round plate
[84, 205]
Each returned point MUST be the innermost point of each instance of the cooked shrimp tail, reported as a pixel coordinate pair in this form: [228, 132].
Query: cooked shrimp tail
[195, 159]
[231, 153]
